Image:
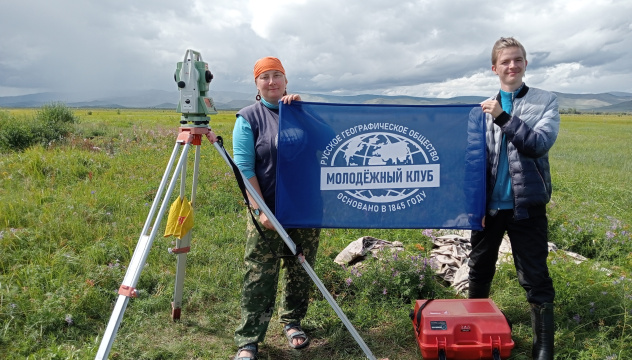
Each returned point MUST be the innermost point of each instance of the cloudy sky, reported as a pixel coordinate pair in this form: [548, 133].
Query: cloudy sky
[434, 48]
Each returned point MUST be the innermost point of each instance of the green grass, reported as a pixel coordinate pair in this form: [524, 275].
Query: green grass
[590, 211]
[71, 213]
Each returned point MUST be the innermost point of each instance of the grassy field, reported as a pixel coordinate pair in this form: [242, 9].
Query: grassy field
[71, 213]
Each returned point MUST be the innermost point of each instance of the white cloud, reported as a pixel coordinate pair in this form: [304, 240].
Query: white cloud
[480, 83]
[420, 48]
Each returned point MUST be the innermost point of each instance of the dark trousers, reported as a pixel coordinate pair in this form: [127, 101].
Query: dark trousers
[259, 290]
[529, 244]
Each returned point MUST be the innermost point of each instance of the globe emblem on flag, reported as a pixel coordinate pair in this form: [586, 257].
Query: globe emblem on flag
[379, 149]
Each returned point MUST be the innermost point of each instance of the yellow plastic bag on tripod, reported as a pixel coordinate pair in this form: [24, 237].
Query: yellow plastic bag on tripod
[180, 219]
[172, 219]
[185, 219]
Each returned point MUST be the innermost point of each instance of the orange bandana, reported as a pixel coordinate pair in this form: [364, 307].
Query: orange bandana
[266, 64]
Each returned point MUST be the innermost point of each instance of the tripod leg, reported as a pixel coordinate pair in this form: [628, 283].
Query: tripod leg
[141, 252]
[183, 245]
[290, 244]
[181, 250]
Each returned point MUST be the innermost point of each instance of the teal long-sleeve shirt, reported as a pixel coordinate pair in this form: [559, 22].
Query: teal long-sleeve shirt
[244, 144]
[502, 195]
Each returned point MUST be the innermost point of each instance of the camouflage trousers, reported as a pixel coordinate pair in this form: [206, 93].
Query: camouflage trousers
[263, 265]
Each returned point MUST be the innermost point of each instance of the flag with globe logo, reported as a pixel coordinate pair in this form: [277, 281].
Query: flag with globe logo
[380, 166]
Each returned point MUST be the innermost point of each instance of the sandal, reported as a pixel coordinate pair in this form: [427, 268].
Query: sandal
[297, 334]
[253, 348]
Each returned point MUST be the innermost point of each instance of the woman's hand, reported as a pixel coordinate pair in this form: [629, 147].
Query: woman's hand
[263, 219]
[287, 99]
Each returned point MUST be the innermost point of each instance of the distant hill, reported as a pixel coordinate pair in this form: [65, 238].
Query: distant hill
[227, 100]
[132, 99]
[592, 102]
[396, 100]
[623, 107]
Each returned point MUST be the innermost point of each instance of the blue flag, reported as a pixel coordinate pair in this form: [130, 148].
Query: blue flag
[380, 166]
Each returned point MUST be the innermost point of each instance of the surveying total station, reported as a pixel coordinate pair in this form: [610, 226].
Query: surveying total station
[193, 77]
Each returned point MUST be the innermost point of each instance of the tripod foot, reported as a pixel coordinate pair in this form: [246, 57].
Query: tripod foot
[175, 313]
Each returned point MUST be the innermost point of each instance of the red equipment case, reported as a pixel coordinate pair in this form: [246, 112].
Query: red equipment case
[463, 329]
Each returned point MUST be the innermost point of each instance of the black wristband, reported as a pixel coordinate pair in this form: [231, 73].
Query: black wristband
[502, 119]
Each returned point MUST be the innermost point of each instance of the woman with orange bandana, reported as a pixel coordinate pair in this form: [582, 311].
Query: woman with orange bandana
[255, 140]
